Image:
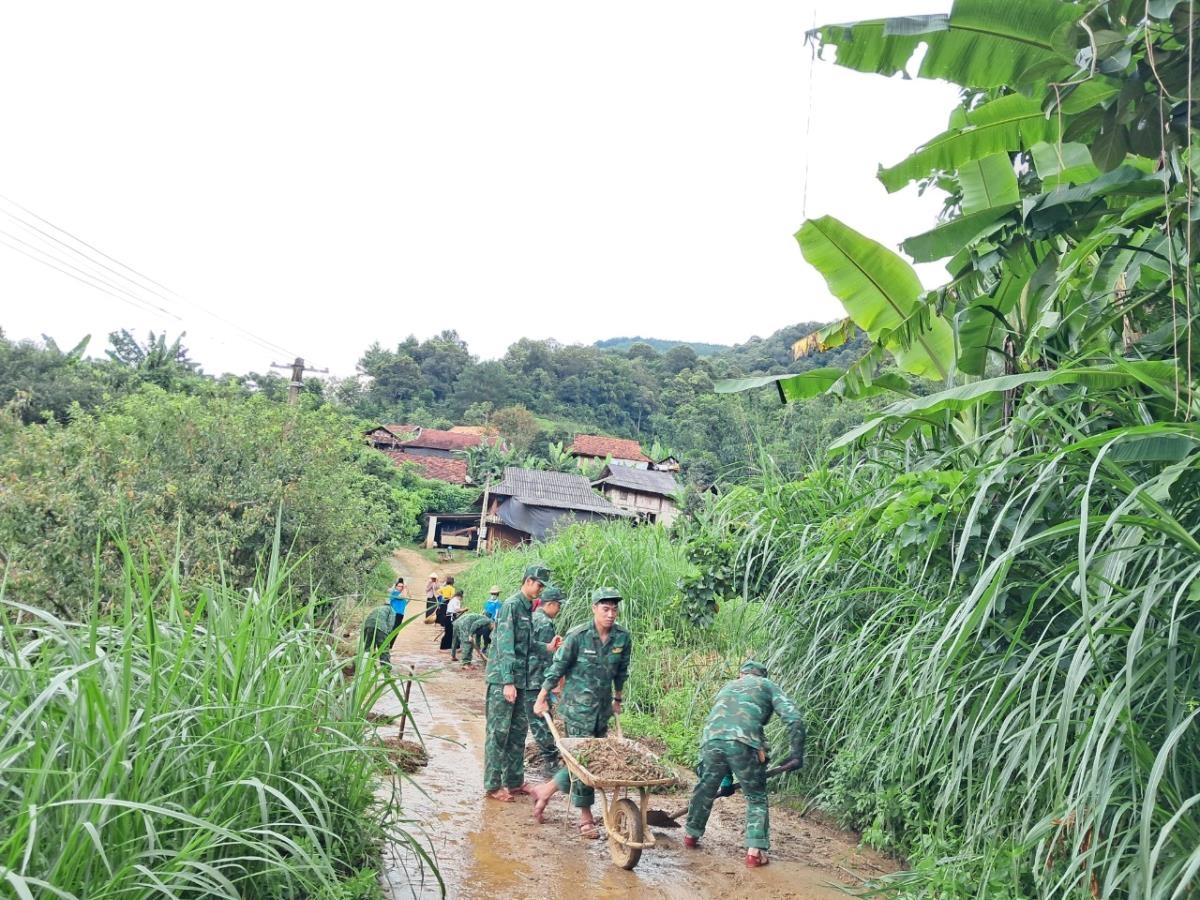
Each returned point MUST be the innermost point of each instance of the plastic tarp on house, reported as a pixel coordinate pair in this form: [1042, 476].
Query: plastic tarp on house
[538, 521]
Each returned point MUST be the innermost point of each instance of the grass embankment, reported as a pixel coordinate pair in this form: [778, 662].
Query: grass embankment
[198, 746]
[999, 662]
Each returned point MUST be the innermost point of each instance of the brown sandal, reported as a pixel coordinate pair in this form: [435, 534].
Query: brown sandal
[589, 831]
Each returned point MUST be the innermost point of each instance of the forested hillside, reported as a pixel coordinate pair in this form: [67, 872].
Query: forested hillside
[622, 344]
[656, 398]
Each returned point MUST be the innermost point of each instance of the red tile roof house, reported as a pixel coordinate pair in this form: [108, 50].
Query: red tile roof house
[618, 451]
[438, 454]
[431, 442]
[439, 468]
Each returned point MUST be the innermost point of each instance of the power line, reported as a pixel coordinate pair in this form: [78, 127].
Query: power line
[56, 240]
[98, 282]
[78, 240]
[87, 278]
[173, 298]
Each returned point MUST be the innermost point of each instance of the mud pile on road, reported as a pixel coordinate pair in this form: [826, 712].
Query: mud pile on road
[610, 759]
[403, 754]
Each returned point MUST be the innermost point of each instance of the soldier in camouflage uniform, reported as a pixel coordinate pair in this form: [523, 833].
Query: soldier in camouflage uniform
[595, 660]
[512, 670]
[470, 629]
[545, 643]
[377, 628]
[733, 742]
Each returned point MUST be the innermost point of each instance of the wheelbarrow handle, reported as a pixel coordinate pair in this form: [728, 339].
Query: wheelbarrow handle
[553, 731]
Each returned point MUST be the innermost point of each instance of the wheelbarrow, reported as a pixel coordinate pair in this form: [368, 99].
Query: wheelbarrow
[624, 820]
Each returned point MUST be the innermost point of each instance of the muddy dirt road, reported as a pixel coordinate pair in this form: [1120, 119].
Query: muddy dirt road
[487, 849]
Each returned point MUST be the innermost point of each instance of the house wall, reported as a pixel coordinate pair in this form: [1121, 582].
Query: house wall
[658, 508]
[589, 460]
[501, 537]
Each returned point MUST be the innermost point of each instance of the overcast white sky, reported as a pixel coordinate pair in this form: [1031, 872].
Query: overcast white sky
[305, 179]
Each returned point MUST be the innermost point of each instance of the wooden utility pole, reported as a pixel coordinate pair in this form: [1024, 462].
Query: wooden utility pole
[298, 369]
[481, 535]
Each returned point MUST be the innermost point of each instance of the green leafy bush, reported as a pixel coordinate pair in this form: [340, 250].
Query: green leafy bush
[196, 485]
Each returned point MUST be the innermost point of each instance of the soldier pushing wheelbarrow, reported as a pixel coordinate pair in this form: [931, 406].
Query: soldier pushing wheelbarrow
[594, 658]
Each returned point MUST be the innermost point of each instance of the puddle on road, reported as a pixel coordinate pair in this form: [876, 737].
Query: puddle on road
[488, 850]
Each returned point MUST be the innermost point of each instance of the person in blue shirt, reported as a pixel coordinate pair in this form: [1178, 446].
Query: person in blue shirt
[398, 600]
[491, 606]
[493, 602]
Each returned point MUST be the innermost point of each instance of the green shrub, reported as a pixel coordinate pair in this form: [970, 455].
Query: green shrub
[196, 486]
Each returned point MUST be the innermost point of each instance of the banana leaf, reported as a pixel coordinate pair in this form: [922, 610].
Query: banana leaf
[880, 292]
[982, 43]
[959, 398]
[1005, 125]
[988, 183]
[952, 236]
[813, 383]
[833, 335]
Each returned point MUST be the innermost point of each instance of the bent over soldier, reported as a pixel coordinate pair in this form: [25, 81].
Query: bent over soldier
[511, 673]
[470, 630]
[594, 658]
[733, 743]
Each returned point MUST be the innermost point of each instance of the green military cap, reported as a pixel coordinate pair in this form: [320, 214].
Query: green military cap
[605, 595]
[551, 594]
[753, 667]
[538, 573]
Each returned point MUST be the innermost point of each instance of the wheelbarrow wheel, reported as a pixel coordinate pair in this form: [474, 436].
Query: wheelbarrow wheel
[626, 822]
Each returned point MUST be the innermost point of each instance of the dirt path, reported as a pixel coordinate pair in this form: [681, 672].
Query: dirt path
[490, 850]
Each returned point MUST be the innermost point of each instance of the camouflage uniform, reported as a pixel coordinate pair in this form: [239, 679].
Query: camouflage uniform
[543, 633]
[510, 662]
[376, 628]
[593, 670]
[469, 631]
[733, 742]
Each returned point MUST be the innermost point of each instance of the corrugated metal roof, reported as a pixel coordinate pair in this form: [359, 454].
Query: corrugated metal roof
[560, 490]
[648, 481]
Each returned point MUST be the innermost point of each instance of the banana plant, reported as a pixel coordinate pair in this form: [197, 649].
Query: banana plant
[1068, 235]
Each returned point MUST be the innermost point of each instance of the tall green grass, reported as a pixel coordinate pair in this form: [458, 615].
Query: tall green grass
[187, 746]
[999, 649]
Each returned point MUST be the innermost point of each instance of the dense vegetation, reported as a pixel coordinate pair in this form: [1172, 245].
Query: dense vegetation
[663, 399]
[187, 747]
[196, 485]
[1006, 567]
